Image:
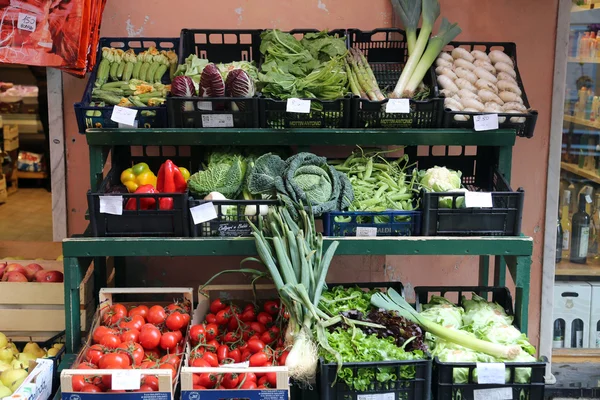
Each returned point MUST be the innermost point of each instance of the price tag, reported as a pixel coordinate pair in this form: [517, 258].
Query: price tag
[478, 200]
[126, 380]
[397, 106]
[204, 105]
[377, 396]
[362, 231]
[491, 373]
[111, 205]
[485, 122]
[493, 394]
[203, 212]
[588, 199]
[123, 115]
[26, 22]
[298, 106]
[217, 121]
[244, 364]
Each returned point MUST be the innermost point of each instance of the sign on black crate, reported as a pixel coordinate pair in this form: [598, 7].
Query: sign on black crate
[386, 52]
[226, 218]
[370, 223]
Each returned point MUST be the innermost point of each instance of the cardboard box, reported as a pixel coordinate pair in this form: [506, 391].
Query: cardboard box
[11, 137]
[38, 384]
[572, 302]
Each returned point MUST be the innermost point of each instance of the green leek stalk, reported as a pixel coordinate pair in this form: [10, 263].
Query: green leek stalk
[431, 12]
[444, 36]
[409, 12]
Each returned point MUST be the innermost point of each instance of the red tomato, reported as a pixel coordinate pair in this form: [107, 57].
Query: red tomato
[272, 307]
[264, 318]
[86, 365]
[134, 322]
[150, 338]
[134, 350]
[283, 357]
[78, 381]
[89, 388]
[197, 333]
[152, 381]
[130, 335]
[151, 355]
[223, 317]
[212, 345]
[169, 340]
[263, 381]
[110, 341]
[248, 385]
[230, 381]
[142, 311]
[216, 306]
[231, 337]
[172, 368]
[212, 331]
[178, 336]
[199, 362]
[222, 353]
[107, 379]
[172, 359]
[119, 360]
[175, 307]
[250, 376]
[145, 388]
[114, 314]
[94, 353]
[246, 355]
[235, 355]
[175, 321]
[234, 323]
[267, 337]
[275, 330]
[156, 315]
[211, 358]
[149, 365]
[257, 327]
[259, 360]
[248, 315]
[272, 378]
[198, 387]
[211, 319]
[255, 346]
[207, 380]
[101, 331]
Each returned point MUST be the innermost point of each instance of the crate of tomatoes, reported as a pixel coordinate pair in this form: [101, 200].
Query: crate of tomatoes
[136, 344]
[236, 345]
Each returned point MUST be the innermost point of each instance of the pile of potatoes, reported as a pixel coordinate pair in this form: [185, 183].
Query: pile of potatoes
[479, 82]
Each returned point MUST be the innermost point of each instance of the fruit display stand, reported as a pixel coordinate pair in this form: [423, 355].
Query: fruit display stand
[512, 253]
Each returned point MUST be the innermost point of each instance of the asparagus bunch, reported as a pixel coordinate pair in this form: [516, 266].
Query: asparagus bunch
[360, 75]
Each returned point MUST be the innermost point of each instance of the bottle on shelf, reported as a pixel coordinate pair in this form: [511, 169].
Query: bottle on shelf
[558, 338]
[581, 103]
[559, 241]
[594, 246]
[598, 44]
[592, 45]
[594, 109]
[577, 334]
[580, 226]
[565, 223]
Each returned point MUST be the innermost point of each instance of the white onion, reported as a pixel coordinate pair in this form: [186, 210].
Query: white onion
[503, 67]
[483, 84]
[480, 55]
[459, 52]
[485, 65]
[499, 56]
[466, 74]
[462, 63]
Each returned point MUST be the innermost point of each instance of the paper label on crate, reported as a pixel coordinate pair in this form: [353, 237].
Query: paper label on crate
[493, 394]
[363, 231]
[588, 199]
[111, 205]
[126, 380]
[397, 106]
[203, 213]
[485, 122]
[491, 373]
[244, 364]
[204, 105]
[123, 126]
[378, 396]
[26, 22]
[478, 200]
[217, 121]
[123, 115]
[297, 106]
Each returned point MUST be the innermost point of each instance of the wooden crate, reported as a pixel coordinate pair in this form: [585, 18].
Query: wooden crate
[163, 375]
[36, 310]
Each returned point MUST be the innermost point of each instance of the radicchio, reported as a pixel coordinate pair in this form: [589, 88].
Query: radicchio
[239, 84]
[211, 82]
[183, 86]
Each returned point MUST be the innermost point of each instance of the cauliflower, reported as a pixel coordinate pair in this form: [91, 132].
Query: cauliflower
[440, 179]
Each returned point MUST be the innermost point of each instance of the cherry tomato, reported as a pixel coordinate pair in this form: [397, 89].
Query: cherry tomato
[211, 319]
[199, 362]
[246, 355]
[264, 318]
[257, 327]
[134, 322]
[263, 381]
[130, 335]
[114, 313]
[235, 355]
[267, 337]
[212, 331]
[198, 387]
[231, 337]
[110, 341]
[211, 358]
[230, 381]
[152, 381]
[175, 321]
[283, 357]
[197, 333]
[272, 307]
[222, 353]
[90, 388]
[156, 315]
[275, 330]
[262, 387]
[249, 376]
[169, 340]
[145, 388]
[150, 338]
[272, 378]
[119, 360]
[255, 346]
[134, 350]
[142, 311]
[248, 315]
[234, 322]
[208, 380]
[216, 306]
[212, 345]
[94, 353]
[248, 385]
[259, 360]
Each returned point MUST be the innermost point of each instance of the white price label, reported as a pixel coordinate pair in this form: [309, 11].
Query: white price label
[493, 394]
[217, 121]
[397, 106]
[111, 205]
[204, 105]
[26, 22]
[125, 380]
[588, 199]
[363, 231]
[203, 212]
[377, 396]
[123, 115]
[491, 373]
[478, 200]
[297, 106]
[485, 122]
[244, 364]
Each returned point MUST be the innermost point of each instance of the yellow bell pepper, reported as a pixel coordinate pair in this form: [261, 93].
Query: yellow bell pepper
[185, 173]
[136, 176]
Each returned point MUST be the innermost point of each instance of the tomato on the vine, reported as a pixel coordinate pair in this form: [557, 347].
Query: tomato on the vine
[222, 352]
[197, 333]
[211, 319]
[271, 378]
[255, 346]
[134, 350]
[207, 380]
[259, 360]
[110, 341]
[172, 359]
[235, 355]
[216, 306]
[94, 353]
[114, 313]
[119, 360]
[211, 358]
[223, 317]
[257, 327]
[230, 381]
[198, 361]
[100, 331]
[212, 331]
[169, 340]
[248, 315]
[272, 307]
[175, 321]
[130, 335]
[134, 322]
[142, 311]
[152, 381]
[268, 337]
[231, 337]
[248, 385]
[264, 318]
[91, 388]
[283, 357]
[150, 338]
[156, 315]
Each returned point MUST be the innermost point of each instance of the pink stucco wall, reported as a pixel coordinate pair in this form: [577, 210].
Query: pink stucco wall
[531, 24]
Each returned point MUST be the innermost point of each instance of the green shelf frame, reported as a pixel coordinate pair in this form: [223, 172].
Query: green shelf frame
[511, 252]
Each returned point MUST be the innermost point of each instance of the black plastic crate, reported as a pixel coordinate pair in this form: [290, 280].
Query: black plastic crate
[386, 51]
[523, 129]
[231, 217]
[99, 117]
[152, 222]
[394, 223]
[216, 46]
[415, 388]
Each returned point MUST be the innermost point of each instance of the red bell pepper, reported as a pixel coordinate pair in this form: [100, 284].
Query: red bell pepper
[170, 179]
[146, 203]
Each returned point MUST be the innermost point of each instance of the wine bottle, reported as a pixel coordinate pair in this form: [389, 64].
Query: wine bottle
[580, 226]
[565, 222]
[558, 340]
[559, 241]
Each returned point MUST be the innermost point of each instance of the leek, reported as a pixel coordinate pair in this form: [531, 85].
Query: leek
[409, 12]
[392, 301]
[444, 36]
[431, 12]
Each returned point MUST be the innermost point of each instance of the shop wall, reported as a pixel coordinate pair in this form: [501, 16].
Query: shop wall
[531, 24]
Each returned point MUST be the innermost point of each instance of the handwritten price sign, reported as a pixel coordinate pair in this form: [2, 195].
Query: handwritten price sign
[26, 22]
[485, 122]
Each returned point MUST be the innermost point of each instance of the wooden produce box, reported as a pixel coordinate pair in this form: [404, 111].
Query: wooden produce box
[3, 191]
[11, 137]
[37, 310]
